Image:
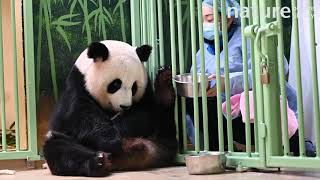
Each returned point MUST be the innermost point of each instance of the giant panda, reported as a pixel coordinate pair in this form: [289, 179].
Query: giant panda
[110, 117]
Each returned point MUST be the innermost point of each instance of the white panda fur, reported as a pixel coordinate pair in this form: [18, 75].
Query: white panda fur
[124, 62]
[91, 134]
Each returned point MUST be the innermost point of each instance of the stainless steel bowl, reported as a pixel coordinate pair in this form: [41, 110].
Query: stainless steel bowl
[184, 84]
[206, 163]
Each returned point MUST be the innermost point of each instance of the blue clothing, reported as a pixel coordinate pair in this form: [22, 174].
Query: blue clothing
[236, 66]
[236, 75]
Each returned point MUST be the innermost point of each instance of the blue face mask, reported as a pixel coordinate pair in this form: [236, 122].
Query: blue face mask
[208, 31]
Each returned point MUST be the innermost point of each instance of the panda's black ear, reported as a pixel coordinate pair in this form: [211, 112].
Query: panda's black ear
[144, 52]
[98, 52]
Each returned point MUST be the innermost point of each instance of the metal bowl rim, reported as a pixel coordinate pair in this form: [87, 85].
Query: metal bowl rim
[183, 82]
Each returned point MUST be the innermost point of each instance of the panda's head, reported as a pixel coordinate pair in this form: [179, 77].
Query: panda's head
[114, 73]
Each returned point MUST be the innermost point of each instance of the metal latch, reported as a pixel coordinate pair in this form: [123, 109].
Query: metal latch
[265, 75]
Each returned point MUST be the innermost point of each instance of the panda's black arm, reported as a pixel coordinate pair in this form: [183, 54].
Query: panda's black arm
[102, 136]
[92, 127]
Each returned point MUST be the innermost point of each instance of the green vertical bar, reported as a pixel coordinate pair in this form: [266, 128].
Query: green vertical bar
[314, 75]
[2, 89]
[195, 76]
[143, 15]
[15, 75]
[271, 99]
[203, 79]
[141, 20]
[173, 58]
[182, 70]
[160, 29]
[295, 32]
[123, 32]
[284, 117]
[218, 75]
[254, 91]
[144, 21]
[50, 47]
[226, 73]
[151, 39]
[187, 43]
[246, 82]
[146, 11]
[259, 93]
[154, 37]
[39, 48]
[30, 76]
[135, 22]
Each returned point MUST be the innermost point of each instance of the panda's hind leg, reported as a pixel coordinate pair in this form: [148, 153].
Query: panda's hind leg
[164, 91]
[65, 157]
[142, 153]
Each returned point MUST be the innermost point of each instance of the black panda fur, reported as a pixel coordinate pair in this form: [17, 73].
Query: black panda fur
[86, 139]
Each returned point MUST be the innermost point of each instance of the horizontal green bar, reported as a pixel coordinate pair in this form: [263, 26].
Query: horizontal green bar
[19, 155]
[235, 161]
[242, 154]
[294, 162]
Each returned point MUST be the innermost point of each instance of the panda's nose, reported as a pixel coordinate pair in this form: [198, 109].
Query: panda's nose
[124, 107]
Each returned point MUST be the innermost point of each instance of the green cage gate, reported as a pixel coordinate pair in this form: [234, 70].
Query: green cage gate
[17, 82]
[174, 29]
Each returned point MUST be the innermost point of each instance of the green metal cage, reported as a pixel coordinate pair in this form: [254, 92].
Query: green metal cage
[31, 152]
[176, 37]
[170, 36]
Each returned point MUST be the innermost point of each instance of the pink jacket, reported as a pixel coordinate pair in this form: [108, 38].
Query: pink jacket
[238, 105]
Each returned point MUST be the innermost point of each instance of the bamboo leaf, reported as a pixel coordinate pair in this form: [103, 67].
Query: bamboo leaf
[83, 27]
[64, 36]
[65, 23]
[49, 8]
[67, 16]
[118, 5]
[81, 4]
[95, 22]
[104, 34]
[122, 20]
[100, 25]
[94, 2]
[95, 12]
[108, 14]
[106, 19]
[73, 5]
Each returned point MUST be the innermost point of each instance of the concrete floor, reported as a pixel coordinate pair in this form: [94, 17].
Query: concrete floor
[172, 173]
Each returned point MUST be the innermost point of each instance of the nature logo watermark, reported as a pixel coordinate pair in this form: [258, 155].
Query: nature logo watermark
[270, 12]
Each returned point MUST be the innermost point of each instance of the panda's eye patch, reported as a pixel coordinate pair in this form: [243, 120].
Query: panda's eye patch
[114, 86]
[134, 88]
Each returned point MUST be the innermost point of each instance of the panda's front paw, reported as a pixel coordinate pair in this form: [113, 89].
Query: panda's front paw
[103, 161]
[164, 91]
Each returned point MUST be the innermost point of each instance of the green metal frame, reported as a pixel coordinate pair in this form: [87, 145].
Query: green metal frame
[32, 152]
[265, 38]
